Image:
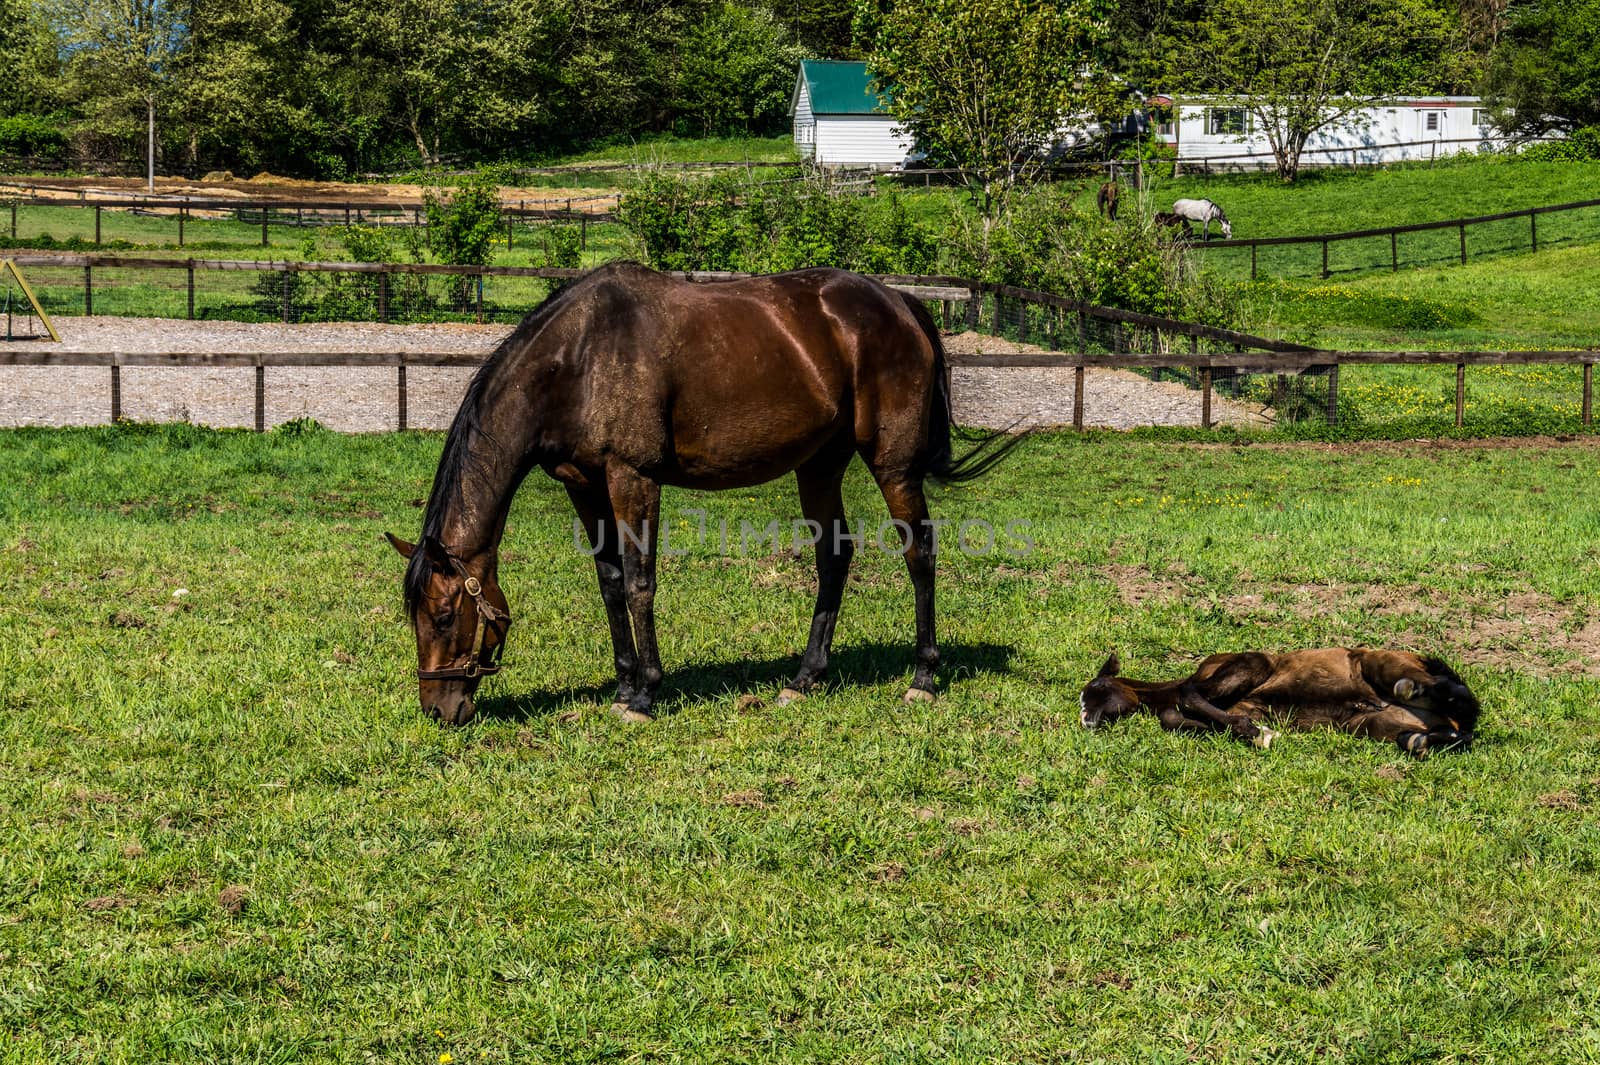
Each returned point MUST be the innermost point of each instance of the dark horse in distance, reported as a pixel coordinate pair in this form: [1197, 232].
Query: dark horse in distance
[627, 380]
[1419, 703]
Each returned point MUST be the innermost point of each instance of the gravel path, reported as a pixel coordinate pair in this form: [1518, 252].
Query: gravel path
[364, 400]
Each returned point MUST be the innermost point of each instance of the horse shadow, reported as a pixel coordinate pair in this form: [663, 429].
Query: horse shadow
[858, 665]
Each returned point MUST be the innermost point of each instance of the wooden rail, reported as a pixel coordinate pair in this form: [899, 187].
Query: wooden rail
[1392, 232]
[1321, 362]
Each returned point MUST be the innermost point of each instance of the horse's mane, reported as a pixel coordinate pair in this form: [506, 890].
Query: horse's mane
[460, 457]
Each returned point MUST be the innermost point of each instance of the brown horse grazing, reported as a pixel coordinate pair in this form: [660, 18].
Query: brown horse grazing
[1168, 220]
[1419, 703]
[1106, 199]
[626, 380]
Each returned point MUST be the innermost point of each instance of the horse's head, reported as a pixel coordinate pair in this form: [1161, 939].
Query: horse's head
[460, 617]
[1107, 697]
[1227, 229]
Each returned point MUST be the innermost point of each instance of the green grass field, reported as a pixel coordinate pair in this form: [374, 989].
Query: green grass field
[229, 835]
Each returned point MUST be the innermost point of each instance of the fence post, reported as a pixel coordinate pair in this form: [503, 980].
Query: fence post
[97, 225]
[261, 396]
[480, 299]
[13, 220]
[1333, 395]
[191, 289]
[1533, 228]
[1082, 323]
[182, 213]
[583, 232]
[1588, 393]
[1077, 397]
[401, 409]
[974, 299]
[116, 391]
[1252, 262]
[1205, 397]
[1461, 392]
[88, 291]
[287, 284]
[264, 227]
[509, 237]
[1394, 251]
[1463, 244]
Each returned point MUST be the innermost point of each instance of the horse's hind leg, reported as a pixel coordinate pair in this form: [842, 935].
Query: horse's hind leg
[823, 505]
[594, 512]
[909, 509]
[636, 502]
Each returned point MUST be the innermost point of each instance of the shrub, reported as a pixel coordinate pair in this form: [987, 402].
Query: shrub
[1582, 146]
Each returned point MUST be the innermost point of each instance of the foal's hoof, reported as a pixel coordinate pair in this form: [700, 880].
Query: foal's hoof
[1264, 737]
[919, 695]
[1405, 688]
[630, 715]
[1416, 745]
[790, 695]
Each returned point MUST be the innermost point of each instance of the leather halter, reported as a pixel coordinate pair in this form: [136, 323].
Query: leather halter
[475, 664]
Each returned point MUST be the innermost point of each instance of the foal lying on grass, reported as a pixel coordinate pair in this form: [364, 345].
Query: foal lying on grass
[1419, 703]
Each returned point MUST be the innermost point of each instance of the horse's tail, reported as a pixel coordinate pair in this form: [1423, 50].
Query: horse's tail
[938, 460]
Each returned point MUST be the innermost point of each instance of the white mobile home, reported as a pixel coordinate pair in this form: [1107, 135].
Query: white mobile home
[840, 121]
[1222, 131]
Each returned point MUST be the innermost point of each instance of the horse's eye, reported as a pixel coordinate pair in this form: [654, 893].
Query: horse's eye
[444, 619]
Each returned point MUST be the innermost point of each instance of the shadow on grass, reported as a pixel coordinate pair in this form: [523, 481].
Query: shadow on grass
[851, 666]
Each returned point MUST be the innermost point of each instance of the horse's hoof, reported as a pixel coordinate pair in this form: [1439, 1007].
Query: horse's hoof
[789, 695]
[1416, 745]
[919, 695]
[630, 715]
[1264, 737]
[1405, 688]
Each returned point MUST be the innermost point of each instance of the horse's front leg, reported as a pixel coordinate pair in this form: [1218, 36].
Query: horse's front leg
[1237, 721]
[1416, 732]
[636, 503]
[594, 513]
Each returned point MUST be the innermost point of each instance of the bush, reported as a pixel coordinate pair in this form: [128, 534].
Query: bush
[1581, 147]
[723, 224]
[1044, 241]
[462, 229]
[35, 135]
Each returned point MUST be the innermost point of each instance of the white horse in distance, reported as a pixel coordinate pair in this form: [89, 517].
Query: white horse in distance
[1205, 212]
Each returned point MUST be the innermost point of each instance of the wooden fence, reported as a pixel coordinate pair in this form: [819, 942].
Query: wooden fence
[303, 213]
[1206, 366]
[1125, 339]
[1393, 233]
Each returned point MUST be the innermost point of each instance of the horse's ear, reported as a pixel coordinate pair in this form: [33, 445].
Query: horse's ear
[1111, 668]
[406, 550]
[434, 549]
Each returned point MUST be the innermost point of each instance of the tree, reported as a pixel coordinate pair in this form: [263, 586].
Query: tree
[122, 62]
[1545, 76]
[987, 84]
[1300, 66]
[737, 70]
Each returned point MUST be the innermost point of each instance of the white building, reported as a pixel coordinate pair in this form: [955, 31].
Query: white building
[840, 121]
[1222, 132]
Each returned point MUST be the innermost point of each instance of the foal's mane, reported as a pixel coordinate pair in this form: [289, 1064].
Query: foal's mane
[460, 457]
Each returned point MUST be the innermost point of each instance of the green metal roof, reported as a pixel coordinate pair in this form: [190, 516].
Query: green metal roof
[837, 87]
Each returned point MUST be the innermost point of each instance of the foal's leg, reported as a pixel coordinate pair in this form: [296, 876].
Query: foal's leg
[594, 512]
[1416, 732]
[1237, 720]
[636, 502]
[908, 507]
[822, 503]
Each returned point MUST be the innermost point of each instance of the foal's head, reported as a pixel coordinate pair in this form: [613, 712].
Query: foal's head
[1106, 697]
[460, 618]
